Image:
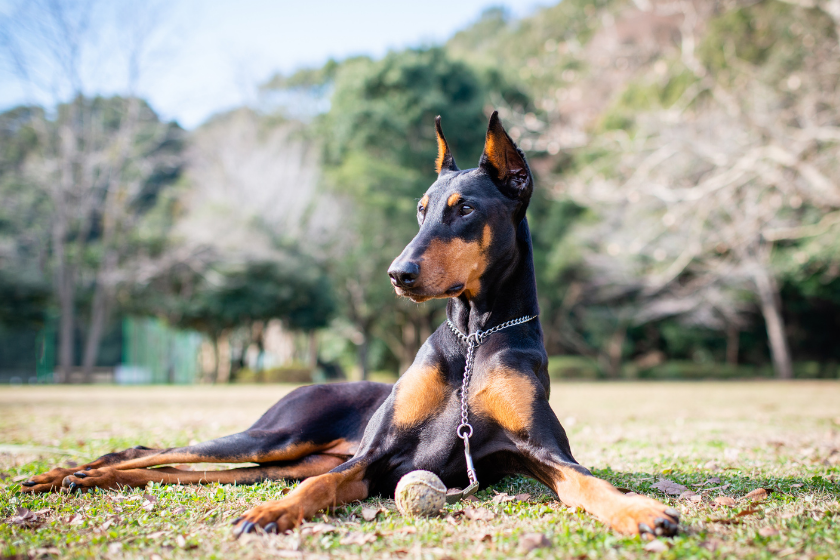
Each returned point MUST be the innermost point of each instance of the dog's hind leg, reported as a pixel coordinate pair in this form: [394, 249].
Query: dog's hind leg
[112, 478]
[326, 420]
[246, 447]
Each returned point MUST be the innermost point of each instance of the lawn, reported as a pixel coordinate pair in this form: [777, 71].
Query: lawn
[718, 440]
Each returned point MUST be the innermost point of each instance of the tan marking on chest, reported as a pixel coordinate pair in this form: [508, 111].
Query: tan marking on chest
[420, 394]
[507, 397]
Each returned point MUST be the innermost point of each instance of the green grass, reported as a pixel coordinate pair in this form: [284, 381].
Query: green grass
[782, 437]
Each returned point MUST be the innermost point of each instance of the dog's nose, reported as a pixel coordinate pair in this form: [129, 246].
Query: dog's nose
[404, 274]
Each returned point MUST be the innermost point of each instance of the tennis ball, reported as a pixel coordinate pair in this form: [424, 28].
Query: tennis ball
[420, 493]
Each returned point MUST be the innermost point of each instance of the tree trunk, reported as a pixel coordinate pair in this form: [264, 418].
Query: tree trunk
[733, 335]
[98, 316]
[313, 350]
[409, 344]
[67, 322]
[223, 358]
[615, 349]
[99, 311]
[363, 356]
[771, 309]
[210, 375]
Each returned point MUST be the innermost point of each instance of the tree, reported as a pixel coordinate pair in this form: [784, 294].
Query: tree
[705, 189]
[227, 295]
[379, 152]
[100, 161]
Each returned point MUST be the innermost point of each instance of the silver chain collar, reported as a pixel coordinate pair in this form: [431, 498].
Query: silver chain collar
[465, 429]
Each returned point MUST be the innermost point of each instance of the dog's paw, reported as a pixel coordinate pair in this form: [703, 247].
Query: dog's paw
[273, 517]
[49, 481]
[639, 515]
[86, 480]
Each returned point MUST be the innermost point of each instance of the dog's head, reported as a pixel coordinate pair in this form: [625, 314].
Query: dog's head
[468, 220]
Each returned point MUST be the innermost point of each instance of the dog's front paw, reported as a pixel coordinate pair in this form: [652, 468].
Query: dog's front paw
[639, 515]
[274, 517]
[49, 481]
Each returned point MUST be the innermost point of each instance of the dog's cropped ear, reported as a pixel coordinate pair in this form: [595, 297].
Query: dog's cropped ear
[445, 162]
[505, 163]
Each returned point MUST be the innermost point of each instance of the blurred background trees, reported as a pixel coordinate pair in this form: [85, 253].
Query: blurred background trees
[685, 221]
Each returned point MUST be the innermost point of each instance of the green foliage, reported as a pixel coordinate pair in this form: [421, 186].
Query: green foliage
[644, 94]
[379, 152]
[229, 295]
[773, 35]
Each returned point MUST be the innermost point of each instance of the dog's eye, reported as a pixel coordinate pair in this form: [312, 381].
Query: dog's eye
[421, 209]
[466, 209]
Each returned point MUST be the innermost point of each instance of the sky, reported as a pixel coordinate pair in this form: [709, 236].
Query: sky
[200, 57]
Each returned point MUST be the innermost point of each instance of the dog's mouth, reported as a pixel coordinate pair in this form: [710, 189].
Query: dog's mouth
[418, 296]
[455, 290]
[413, 295]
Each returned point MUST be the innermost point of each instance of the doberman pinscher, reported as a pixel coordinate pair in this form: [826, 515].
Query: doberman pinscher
[348, 441]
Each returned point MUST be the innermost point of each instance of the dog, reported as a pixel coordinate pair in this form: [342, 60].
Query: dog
[348, 441]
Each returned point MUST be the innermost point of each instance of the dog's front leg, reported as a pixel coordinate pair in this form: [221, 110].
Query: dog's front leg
[630, 515]
[548, 457]
[343, 484]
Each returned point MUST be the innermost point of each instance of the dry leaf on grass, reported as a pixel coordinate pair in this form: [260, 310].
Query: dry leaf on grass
[358, 538]
[316, 528]
[725, 501]
[503, 497]
[179, 510]
[110, 522]
[708, 481]
[21, 477]
[479, 514]
[688, 495]
[669, 487]
[797, 485]
[768, 532]
[149, 502]
[758, 495]
[530, 541]
[26, 518]
[656, 546]
[735, 518]
[369, 514]
[482, 536]
[523, 497]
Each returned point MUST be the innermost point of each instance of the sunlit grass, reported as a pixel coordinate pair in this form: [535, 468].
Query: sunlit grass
[780, 437]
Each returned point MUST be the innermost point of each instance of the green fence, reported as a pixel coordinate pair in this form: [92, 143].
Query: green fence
[154, 352]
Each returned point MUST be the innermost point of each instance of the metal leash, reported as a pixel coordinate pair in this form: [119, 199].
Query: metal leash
[465, 429]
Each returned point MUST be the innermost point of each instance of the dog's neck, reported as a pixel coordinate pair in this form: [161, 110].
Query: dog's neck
[508, 290]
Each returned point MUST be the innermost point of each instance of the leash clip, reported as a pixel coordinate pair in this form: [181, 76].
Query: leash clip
[473, 486]
[465, 429]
